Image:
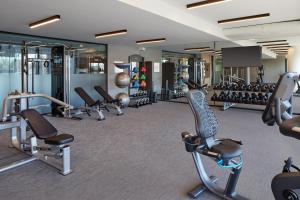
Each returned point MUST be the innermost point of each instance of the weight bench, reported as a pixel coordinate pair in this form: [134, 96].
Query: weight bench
[58, 144]
[90, 105]
[110, 102]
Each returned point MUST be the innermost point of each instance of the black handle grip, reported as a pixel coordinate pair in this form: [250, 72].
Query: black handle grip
[210, 154]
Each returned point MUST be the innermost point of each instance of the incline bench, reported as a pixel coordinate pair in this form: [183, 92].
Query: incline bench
[110, 102]
[90, 104]
[44, 130]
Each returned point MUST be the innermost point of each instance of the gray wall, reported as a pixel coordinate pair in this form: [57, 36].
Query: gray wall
[273, 68]
[121, 53]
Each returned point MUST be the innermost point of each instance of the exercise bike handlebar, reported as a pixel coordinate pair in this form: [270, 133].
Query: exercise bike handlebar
[25, 95]
[208, 153]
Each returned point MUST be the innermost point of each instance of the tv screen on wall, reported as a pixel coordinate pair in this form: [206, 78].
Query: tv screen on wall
[242, 56]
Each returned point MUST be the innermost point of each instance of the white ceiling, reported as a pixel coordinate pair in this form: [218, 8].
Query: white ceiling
[279, 10]
[147, 19]
[81, 20]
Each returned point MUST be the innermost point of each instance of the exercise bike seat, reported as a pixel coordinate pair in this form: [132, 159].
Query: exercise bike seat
[59, 139]
[227, 149]
[291, 127]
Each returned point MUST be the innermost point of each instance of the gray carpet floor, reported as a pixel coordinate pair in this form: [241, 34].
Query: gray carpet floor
[140, 156]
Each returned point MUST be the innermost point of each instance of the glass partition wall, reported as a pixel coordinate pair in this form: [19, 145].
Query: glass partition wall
[81, 64]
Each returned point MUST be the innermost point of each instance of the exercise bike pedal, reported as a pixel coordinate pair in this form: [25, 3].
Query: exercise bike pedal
[199, 189]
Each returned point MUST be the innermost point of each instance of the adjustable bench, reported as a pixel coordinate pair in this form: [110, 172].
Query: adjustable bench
[110, 102]
[89, 103]
[58, 143]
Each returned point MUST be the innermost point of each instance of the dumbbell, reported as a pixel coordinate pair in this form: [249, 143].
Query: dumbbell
[246, 98]
[234, 87]
[214, 97]
[138, 102]
[256, 87]
[271, 88]
[239, 98]
[249, 88]
[234, 97]
[260, 97]
[221, 96]
[263, 88]
[254, 99]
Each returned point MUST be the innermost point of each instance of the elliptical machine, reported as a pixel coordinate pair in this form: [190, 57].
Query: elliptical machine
[279, 110]
[226, 152]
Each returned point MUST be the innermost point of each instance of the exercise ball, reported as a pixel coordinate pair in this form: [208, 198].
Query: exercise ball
[122, 80]
[123, 99]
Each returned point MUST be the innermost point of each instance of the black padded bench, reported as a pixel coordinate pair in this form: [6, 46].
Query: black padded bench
[111, 102]
[90, 103]
[44, 130]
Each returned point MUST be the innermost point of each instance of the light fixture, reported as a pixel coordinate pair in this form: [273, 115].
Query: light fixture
[204, 3]
[197, 49]
[151, 41]
[44, 21]
[243, 18]
[275, 45]
[207, 51]
[112, 33]
[272, 41]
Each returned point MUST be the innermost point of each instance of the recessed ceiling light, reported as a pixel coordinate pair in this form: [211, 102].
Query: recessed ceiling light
[44, 21]
[197, 49]
[238, 19]
[204, 3]
[275, 45]
[112, 33]
[272, 41]
[151, 41]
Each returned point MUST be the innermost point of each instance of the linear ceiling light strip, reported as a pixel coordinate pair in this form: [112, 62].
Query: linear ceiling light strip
[112, 33]
[204, 3]
[45, 21]
[197, 49]
[243, 18]
[151, 41]
[272, 41]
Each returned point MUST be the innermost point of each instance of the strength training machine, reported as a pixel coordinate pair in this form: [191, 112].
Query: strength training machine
[17, 120]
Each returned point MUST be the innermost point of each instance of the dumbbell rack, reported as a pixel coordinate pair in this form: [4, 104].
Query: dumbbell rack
[227, 105]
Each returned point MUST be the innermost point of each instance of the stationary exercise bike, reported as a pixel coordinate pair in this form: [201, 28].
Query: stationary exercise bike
[225, 152]
[279, 110]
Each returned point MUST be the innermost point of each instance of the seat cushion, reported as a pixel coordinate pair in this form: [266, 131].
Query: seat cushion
[59, 139]
[227, 149]
[291, 127]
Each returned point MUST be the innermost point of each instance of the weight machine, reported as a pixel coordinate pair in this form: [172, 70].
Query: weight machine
[16, 120]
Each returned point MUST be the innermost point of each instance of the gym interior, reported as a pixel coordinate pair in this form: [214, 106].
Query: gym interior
[149, 100]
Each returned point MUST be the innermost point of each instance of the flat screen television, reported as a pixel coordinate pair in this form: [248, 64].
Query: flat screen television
[242, 56]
